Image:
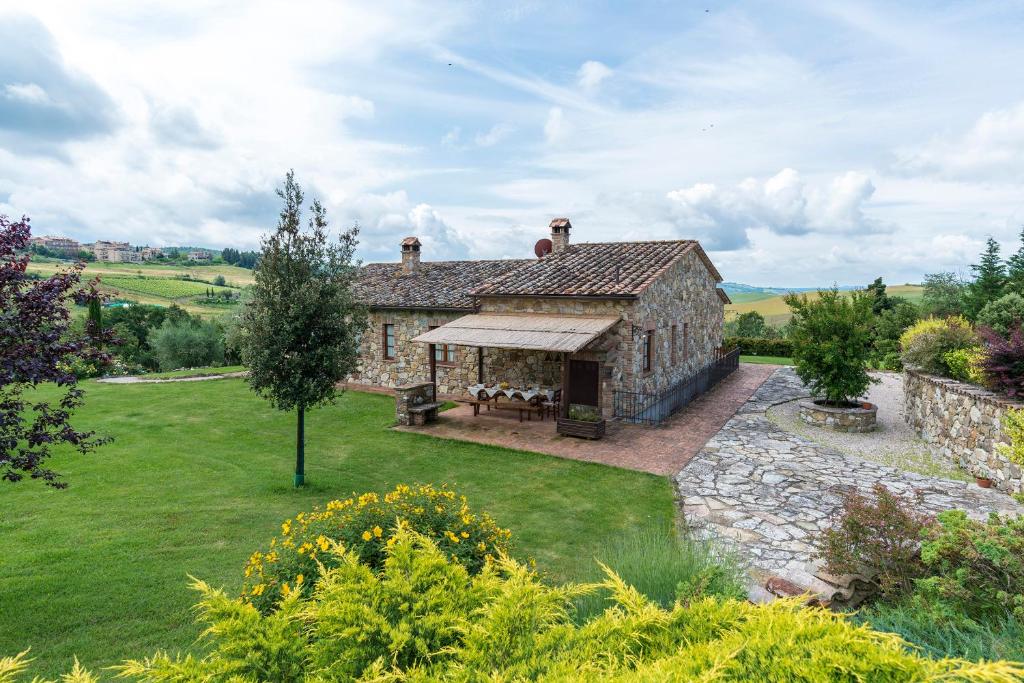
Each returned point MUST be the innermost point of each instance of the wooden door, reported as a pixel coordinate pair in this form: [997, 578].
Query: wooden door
[584, 385]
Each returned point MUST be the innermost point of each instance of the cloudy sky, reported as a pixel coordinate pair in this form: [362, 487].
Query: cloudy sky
[802, 143]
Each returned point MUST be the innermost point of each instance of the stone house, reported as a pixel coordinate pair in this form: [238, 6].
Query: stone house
[599, 319]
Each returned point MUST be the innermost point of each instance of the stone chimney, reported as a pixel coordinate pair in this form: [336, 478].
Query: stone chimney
[560, 234]
[410, 255]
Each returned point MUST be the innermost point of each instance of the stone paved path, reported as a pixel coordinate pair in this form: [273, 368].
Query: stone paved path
[764, 491]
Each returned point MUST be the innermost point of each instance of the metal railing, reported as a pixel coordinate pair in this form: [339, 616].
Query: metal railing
[651, 409]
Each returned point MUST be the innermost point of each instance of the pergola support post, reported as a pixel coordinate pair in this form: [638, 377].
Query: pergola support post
[563, 407]
[480, 365]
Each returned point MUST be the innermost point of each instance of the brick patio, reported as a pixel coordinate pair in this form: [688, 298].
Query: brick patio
[662, 450]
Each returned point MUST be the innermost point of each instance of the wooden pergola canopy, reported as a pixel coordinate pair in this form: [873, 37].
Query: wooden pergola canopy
[526, 331]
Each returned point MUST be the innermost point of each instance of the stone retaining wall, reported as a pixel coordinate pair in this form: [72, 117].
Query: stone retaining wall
[962, 422]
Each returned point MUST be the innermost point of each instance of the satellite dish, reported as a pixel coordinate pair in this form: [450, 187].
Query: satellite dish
[543, 247]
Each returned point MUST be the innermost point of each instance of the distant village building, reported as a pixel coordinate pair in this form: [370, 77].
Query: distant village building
[61, 245]
[199, 255]
[116, 252]
[150, 253]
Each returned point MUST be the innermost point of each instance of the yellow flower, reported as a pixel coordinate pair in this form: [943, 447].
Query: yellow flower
[286, 528]
[258, 589]
[367, 535]
[323, 542]
[464, 534]
[299, 579]
[377, 531]
[285, 590]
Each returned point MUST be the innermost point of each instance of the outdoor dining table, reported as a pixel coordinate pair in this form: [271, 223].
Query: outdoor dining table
[524, 394]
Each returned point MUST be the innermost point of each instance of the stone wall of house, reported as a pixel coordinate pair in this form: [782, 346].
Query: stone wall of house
[962, 422]
[684, 296]
[412, 359]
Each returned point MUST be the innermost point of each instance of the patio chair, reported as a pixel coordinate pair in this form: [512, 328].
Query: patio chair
[554, 404]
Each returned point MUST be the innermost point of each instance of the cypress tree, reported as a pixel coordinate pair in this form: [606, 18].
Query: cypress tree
[1015, 268]
[989, 279]
[95, 320]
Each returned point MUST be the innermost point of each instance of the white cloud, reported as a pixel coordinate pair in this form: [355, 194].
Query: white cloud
[555, 127]
[385, 219]
[496, 134]
[591, 74]
[27, 92]
[452, 136]
[992, 149]
[783, 204]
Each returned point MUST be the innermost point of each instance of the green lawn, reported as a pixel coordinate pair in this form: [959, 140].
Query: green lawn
[200, 475]
[768, 360]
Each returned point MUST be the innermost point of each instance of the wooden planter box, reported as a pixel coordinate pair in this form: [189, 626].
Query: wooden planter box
[581, 428]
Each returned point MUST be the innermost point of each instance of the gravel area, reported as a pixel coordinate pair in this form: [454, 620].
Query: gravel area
[893, 442]
[143, 380]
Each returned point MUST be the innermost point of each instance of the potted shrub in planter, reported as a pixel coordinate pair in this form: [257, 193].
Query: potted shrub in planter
[583, 421]
[831, 338]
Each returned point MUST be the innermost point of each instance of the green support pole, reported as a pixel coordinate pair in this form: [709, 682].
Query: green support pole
[300, 450]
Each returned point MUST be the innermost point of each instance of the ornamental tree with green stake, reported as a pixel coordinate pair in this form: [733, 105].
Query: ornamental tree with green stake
[299, 332]
[831, 338]
[38, 345]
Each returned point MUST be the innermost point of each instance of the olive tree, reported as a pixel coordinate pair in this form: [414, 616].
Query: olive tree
[299, 331]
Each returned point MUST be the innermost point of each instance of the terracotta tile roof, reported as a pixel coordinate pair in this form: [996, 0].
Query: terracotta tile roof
[435, 284]
[594, 269]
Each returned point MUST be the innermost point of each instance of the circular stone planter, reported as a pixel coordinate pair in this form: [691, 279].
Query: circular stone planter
[859, 417]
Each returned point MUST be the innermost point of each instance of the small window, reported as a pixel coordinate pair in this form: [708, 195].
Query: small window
[444, 354]
[648, 350]
[675, 341]
[686, 341]
[389, 341]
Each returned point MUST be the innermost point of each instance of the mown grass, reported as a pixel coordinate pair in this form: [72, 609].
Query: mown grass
[200, 475]
[767, 360]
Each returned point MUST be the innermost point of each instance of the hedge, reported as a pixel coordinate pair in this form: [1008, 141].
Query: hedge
[759, 346]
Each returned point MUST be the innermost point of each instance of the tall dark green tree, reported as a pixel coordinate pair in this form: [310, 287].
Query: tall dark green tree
[299, 332]
[95, 319]
[989, 280]
[880, 301]
[1015, 268]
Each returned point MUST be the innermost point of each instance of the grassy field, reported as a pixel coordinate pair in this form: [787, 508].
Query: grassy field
[199, 476]
[160, 284]
[236, 277]
[767, 360]
[776, 312]
[165, 288]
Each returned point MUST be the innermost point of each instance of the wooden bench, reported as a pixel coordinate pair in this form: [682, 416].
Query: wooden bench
[424, 412]
[523, 407]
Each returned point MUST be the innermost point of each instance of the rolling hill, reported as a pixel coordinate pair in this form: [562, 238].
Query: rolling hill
[776, 312]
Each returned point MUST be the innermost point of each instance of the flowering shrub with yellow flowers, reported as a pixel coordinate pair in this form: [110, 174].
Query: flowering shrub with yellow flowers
[365, 525]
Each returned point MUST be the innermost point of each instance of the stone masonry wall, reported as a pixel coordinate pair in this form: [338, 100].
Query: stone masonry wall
[962, 422]
[412, 360]
[685, 294]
